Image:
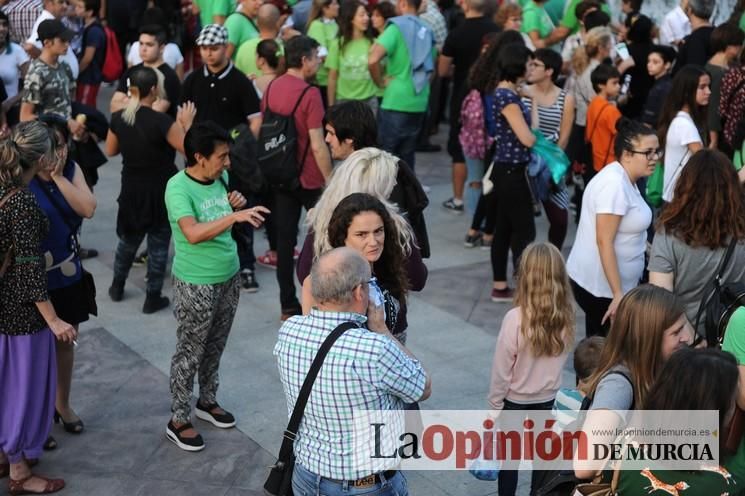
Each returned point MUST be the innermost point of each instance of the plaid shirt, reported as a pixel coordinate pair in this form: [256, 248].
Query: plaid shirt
[433, 18]
[363, 371]
[22, 15]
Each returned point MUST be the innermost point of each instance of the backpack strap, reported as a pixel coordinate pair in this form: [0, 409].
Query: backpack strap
[715, 283]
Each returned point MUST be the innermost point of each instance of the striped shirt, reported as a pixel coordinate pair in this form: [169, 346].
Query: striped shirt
[363, 371]
[549, 123]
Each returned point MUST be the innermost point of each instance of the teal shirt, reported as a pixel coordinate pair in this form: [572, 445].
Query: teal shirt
[210, 262]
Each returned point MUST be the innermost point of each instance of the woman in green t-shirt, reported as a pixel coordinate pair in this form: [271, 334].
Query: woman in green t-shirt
[349, 77]
[323, 28]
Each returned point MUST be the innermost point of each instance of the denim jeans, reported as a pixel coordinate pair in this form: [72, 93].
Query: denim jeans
[398, 131]
[306, 483]
[475, 167]
[158, 239]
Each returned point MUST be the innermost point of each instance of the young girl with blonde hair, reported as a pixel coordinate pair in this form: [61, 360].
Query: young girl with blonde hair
[534, 341]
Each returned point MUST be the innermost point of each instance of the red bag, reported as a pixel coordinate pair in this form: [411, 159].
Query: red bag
[113, 65]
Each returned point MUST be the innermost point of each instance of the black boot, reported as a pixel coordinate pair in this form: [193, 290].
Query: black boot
[154, 302]
[116, 290]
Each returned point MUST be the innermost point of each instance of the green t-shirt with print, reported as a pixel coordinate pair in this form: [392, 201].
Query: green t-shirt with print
[210, 8]
[535, 18]
[354, 81]
[210, 262]
[245, 56]
[324, 32]
[570, 20]
[241, 29]
[400, 94]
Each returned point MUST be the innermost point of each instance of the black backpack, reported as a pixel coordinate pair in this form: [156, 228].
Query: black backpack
[720, 302]
[244, 167]
[277, 150]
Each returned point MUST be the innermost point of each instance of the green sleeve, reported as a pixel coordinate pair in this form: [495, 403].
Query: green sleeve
[234, 25]
[332, 59]
[734, 337]
[243, 58]
[223, 7]
[178, 203]
[570, 19]
[315, 31]
[388, 39]
[532, 20]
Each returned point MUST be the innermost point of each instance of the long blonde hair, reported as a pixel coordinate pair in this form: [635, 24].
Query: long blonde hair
[545, 300]
[367, 170]
[635, 337]
[595, 39]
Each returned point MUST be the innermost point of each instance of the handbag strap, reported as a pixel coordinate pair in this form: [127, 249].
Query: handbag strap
[715, 283]
[302, 398]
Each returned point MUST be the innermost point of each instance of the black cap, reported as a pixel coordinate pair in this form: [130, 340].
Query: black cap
[52, 28]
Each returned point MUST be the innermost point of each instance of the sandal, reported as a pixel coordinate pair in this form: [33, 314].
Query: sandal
[50, 444]
[16, 487]
[75, 427]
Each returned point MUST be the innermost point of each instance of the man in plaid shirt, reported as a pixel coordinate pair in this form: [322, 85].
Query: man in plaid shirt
[366, 369]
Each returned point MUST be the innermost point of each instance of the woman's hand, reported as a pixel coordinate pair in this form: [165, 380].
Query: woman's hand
[611, 312]
[236, 200]
[62, 330]
[251, 215]
[185, 114]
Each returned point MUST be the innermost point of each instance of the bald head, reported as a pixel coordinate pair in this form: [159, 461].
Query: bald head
[336, 274]
[268, 17]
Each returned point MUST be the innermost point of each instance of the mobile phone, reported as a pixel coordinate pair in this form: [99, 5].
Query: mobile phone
[626, 84]
[622, 50]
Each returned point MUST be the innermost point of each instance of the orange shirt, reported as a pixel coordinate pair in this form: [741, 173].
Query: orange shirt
[601, 129]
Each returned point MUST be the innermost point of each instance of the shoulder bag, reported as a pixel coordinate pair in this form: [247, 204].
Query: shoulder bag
[89, 285]
[7, 259]
[279, 482]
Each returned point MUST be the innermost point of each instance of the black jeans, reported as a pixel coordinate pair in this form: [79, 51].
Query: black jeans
[507, 479]
[594, 308]
[514, 226]
[158, 239]
[286, 214]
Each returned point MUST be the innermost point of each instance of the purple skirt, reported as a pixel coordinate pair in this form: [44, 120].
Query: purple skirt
[28, 383]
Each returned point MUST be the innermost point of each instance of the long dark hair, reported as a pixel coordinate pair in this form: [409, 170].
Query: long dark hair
[484, 76]
[708, 206]
[347, 12]
[683, 93]
[389, 269]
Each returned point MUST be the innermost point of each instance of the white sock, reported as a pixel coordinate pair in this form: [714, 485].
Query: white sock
[457, 202]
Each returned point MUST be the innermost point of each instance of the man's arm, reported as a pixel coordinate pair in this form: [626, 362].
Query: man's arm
[444, 66]
[88, 54]
[377, 52]
[320, 151]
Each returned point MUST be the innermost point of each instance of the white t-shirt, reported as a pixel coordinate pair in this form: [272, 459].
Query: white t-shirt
[69, 57]
[675, 26]
[171, 55]
[610, 192]
[10, 68]
[680, 134]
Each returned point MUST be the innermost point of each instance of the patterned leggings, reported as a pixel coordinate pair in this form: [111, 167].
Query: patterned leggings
[204, 313]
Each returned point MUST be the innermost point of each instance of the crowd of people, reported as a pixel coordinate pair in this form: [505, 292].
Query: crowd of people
[236, 116]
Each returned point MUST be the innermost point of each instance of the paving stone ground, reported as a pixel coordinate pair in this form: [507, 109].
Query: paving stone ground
[121, 387]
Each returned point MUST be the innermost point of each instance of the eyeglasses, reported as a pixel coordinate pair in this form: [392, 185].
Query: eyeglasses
[536, 65]
[649, 154]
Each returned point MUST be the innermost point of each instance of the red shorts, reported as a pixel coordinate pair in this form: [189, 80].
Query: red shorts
[87, 94]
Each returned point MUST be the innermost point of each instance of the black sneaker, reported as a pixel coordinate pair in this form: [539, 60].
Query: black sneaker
[140, 260]
[248, 281]
[86, 253]
[154, 302]
[223, 420]
[472, 241]
[173, 433]
[451, 205]
[116, 291]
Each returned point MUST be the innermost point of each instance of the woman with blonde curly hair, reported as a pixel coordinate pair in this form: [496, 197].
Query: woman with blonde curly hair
[371, 171]
[28, 321]
[534, 341]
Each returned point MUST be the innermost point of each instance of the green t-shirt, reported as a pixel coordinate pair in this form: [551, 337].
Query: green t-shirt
[741, 24]
[240, 30]
[555, 10]
[354, 80]
[245, 56]
[570, 20]
[210, 8]
[400, 95]
[324, 32]
[535, 18]
[209, 262]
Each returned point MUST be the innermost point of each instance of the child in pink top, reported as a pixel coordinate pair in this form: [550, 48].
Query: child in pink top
[534, 341]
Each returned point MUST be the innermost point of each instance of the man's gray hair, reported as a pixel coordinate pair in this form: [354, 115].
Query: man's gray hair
[336, 274]
[703, 9]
